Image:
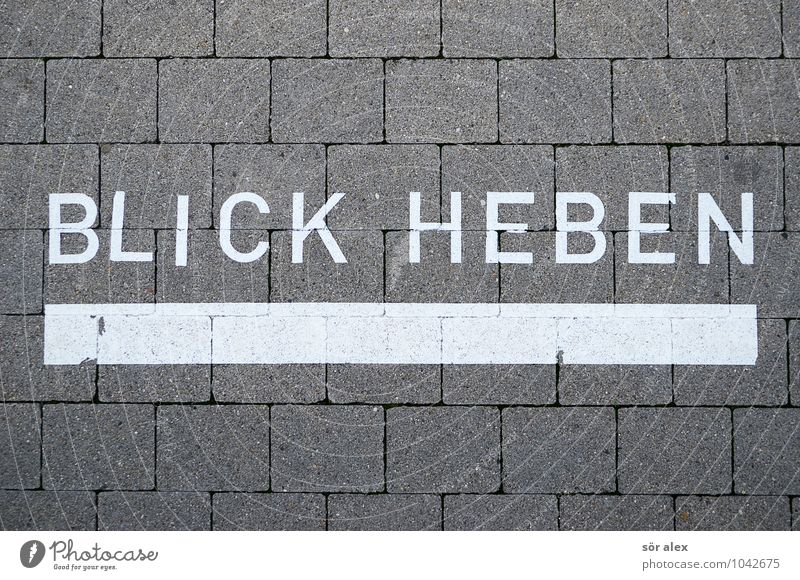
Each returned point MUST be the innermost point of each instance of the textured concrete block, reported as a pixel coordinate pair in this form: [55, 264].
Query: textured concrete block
[766, 454]
[615, 384]
[383, 383]
[123, 110]
[443, 450]
[796, 513]
[558, 450]
[20, 445]
[158, 28]
[502, 28]
[21, 271]
[794, 363]
[732, 513]
[610, 512]
[500, 512]
[679, 450]
[327, 448]
[213, 448]
[792, 188]
[219, 100]
[153, 511]
[555, 101]
[54, 28]
[329, 101]
[441, 101]
[384, 512]
[791, 30]
[269, 511]
[154, 383]
[771, 281]
[281, 383]
[499, 384]
[270, 28]
[658, 101]
[98, 447]
[47, 510]
[723, 29]
[21, 101]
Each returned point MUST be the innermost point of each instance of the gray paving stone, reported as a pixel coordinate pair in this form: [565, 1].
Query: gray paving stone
[214, 100]
[382, 383]
[21, 101]
[614, 29]
[24, 376]
[270, 28]
[213, 448]
[318, 278]
[615, 384]
[674, 450]
[383, 28]
[658, 101]
[558, 450]
[723, 29]
[616, 512]
[763, 101]
[499, 384]
[377, 180]
[47, 510]
[98, 447]
[285, 383]
[501, 28]
[330, 101]
[53, 28]
[273, 172]
[152, 176]
[796, 513]
[269, 511]
[611, 172]
[555, 101]
[21, 271]
[327, 448]
[101, 100]
[443, 450]
[435, 101]
[761, 384]
[791, 28]
[766, 455]
[158, 28]
[794, 363]
[547, 281]
[154, 383]
[475, 169]
[30, 173]
[384, 512]
[771, 281]
[500, 512]
[792, 188]
[153, 510]
[732, 513]
[20, 445]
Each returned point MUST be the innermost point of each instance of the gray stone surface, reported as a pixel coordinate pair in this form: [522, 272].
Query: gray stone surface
[716, 28]
[732, 513]
[501, 28]
[558, 450]
[53, 28]
[382, 383]
[500, 512]
[791, 28]
[615, 384]
[330, 101]
[20, 445]
[98, 100]
[21, 101]
[772, 280]
[154, 383]
[213, 448]
[443, 450]
[224, 100]
[384, 512]
[283, 383]
[269, 511]
[792, 188]
[499, 384]
[98, 447]
[434, 101]
[555, 101]
[153, 511]
[674, 450]
[658, 101]
[766, 454]
[47, 510]
[616, 512]
[796, 513]
[794, 363]
[21, 271]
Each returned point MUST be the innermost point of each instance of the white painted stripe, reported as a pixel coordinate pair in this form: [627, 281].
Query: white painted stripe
[268, 339]
[156, 339]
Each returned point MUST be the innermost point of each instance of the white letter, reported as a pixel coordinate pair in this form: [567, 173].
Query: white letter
[181, 230]
[563, 225]
[117, 219]
[57, 228]
[636, 227]
[317, 223]
[493, 254]
[416, 226]
[708, 210]
[225, 227]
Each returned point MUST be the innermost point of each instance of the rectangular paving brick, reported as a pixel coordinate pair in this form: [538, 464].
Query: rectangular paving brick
[499, 384]
[555, 101]
[794, 362]
[21, 271]
[213, 448]
[98, 447]
[53, 28]
[558, 450]
[124, 110]
[269, 511]
[22, 101]
[500, 512]
[766, 455]
[154, 383]
[20, 445]
[792, 188]
[770, 282]
[443, 450]
[282, 383]
[616, 512]
[153, 511]
[796, 513]
[329, 101]
[657, 101]
[383, 383]
[732, 513]
[615, 384]
[435, 101]
[327, 448]
[791, 28]
[384, 512]
[674, 450]
[47, 510]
